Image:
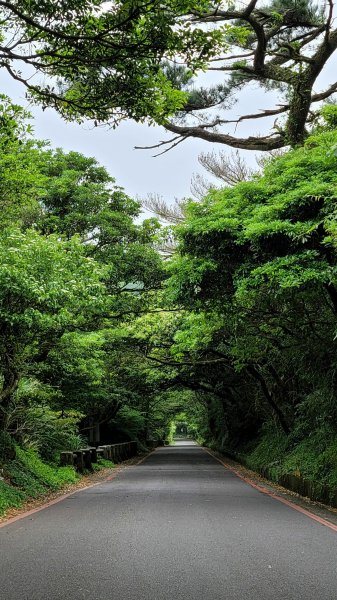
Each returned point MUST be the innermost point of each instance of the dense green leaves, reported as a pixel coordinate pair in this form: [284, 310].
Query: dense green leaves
[73, 265]
[257, 265]
[236, 330]
[47, 287]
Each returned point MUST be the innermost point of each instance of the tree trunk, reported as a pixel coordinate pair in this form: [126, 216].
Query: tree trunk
[10, 384]
[268, 396]
[332, 291]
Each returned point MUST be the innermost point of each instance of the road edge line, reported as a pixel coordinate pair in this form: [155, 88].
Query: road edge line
[274, 495]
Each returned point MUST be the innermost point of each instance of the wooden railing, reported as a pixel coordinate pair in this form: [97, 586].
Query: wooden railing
[84, 458]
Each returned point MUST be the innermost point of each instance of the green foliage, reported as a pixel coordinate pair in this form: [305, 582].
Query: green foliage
[130, 422]
[80, 197]
[47, 432]
[47, 286]
[313, 458]
[103, 463]
[21, 180]
[77, 368]
[24, 480]
[49, 476]
[329, 114]
[255, 282]
[269, 451]
[27, 476]
[110, 62]
[49, 280]
[171, 432]
[70, 268]
[10, 497]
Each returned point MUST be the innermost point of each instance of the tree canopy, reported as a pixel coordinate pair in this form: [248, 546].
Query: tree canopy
[252, 290]
[73, 266]
[256, 273]
[142, 60]
[232, 330]
[281, 47]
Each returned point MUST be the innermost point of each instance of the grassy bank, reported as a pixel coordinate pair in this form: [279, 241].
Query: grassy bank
[27, 477]
[313, 459]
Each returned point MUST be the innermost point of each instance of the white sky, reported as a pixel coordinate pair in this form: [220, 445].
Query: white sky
[136, 170]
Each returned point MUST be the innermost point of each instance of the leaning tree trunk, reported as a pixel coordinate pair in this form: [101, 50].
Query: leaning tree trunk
[9, 386]
[269, 397]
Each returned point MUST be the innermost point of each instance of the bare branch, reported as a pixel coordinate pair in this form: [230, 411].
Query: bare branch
[172, 143]
[200, 186]
[161, 143]
[179, 141]
[231, 169]
[329, 19]
[247, 11]
[173, 213]
[324, 95]
[233, 57]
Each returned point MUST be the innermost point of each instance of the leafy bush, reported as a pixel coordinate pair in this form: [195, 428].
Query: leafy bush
[50, 476]
[314, 458]
[24, 480]
[33, 477]
[102, 463]
[29, 477]
[10, 497]
[271, 447]
[43, 430]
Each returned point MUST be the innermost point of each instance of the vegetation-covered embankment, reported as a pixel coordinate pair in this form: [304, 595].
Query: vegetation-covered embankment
[27, 477]
[307, 467]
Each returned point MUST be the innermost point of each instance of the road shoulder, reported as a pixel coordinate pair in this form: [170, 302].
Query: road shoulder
[319, 510]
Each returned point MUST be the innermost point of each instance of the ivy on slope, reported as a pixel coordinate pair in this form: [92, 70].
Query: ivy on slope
[27, 477]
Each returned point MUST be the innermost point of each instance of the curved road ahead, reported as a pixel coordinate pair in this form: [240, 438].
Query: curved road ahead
[178, 526]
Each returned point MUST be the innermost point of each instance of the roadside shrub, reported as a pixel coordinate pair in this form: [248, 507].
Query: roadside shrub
[10, 497]
[34, 477]
[45, 431]
[24, 480]
[50, 476]
[269, 451]
[314, 458]
[102, 463]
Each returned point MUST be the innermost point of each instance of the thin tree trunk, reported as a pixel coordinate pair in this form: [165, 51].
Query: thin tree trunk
[10, 384]
[268, 396]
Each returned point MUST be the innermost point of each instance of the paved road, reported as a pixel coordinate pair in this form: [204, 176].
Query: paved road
[177, 527]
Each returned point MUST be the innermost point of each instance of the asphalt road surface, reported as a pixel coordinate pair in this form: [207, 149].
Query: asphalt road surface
[179, 526]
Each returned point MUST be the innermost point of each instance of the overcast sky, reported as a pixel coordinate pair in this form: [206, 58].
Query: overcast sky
[136, 170]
